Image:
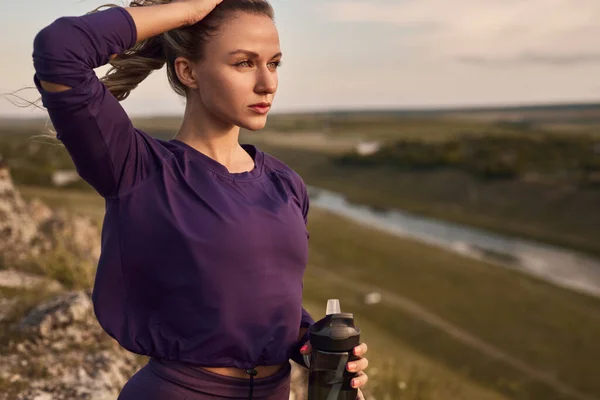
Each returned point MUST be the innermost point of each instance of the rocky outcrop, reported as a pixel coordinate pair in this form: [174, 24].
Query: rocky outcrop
[17, 228]
[32, 230]
[35, 238]
[60, 352]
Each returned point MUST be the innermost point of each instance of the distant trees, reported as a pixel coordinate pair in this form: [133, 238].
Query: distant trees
[555, 156]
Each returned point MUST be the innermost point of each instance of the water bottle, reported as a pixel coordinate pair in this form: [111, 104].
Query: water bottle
[333, 340]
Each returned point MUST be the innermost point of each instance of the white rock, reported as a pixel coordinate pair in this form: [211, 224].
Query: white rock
[372, 298]
[59, 312]
[64, 177]
[39, 211]
[368, 148]
[10, 278]
[43, 396]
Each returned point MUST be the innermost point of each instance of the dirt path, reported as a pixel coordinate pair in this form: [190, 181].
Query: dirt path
[457, 333]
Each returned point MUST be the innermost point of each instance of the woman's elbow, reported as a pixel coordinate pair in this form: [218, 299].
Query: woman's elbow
[50, 49]
[53, 37]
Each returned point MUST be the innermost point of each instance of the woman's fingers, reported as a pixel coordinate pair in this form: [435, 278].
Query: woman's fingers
[361, 349]
[306, 349]
[360, 380]
[358, 365]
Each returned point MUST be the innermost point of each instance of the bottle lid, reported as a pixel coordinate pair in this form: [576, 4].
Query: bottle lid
[336, 331]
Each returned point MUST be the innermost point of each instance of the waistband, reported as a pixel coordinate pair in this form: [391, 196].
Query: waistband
[200, 380]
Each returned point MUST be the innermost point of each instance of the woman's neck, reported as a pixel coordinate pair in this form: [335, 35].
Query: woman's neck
[217, 140]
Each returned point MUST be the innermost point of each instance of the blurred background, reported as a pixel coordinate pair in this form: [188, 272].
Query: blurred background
[452, 152]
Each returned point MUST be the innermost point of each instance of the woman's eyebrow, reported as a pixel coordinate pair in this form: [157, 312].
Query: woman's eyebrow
[250, 53]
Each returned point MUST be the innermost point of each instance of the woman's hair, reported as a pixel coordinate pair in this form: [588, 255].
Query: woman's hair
[130, 68]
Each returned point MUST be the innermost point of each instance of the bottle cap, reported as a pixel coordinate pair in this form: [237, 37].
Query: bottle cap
[336, 331]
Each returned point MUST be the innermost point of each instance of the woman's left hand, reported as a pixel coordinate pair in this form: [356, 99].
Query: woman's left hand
[357, 366]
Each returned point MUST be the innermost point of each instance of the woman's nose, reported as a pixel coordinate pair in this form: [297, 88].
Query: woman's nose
[266, 81]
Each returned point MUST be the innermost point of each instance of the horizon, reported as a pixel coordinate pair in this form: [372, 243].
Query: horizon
[416, 109]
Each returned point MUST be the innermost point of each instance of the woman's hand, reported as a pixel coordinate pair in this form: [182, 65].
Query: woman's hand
[357, 366]
[153, 20]
[197, 9]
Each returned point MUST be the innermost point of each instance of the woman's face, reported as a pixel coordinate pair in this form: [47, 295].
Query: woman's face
[239, 70]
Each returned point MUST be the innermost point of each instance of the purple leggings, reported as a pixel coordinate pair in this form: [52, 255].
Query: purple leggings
[171, 380]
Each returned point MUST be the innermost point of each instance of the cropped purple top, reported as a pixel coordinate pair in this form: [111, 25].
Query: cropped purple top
[198, 264]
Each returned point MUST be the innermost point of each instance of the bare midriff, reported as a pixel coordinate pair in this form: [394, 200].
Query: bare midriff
[262, 371]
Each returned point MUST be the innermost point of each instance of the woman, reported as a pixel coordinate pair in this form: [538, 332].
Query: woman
[204, 243]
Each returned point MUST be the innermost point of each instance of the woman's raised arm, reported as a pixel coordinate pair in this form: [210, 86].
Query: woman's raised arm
[108, 152]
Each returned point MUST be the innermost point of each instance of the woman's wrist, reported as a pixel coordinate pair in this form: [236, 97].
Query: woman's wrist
[156, 19]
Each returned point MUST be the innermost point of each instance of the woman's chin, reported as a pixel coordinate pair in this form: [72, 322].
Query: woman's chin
[254, 124]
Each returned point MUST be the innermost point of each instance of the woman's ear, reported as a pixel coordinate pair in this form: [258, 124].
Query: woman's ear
[186, 72]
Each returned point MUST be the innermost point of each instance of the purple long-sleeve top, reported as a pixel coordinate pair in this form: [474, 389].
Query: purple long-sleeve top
[197, 264]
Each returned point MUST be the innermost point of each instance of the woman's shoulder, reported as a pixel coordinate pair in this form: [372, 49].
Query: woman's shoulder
[276, 165]
[285, 172]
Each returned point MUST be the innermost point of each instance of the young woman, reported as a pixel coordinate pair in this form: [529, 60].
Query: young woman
[204, 243]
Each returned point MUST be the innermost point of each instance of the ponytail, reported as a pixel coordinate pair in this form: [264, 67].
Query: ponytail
[130, 68]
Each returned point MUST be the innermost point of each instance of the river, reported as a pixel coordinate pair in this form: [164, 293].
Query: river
[559, 266]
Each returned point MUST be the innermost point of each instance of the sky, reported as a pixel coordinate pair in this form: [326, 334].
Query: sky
[378, 54]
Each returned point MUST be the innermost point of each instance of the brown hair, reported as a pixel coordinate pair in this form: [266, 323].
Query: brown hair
[130, 68]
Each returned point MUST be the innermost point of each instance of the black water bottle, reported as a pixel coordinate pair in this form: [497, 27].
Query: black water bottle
[333, 339]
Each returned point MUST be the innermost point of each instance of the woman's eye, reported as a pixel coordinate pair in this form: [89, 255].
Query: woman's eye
[275, 64]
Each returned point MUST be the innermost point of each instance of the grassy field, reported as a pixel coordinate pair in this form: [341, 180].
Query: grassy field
[551, 330]
[442, 124]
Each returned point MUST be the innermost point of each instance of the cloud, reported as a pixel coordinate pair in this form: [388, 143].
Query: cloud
[557, 60]
[487, 32]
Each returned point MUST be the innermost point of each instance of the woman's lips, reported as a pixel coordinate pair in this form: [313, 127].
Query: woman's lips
[260, 109]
